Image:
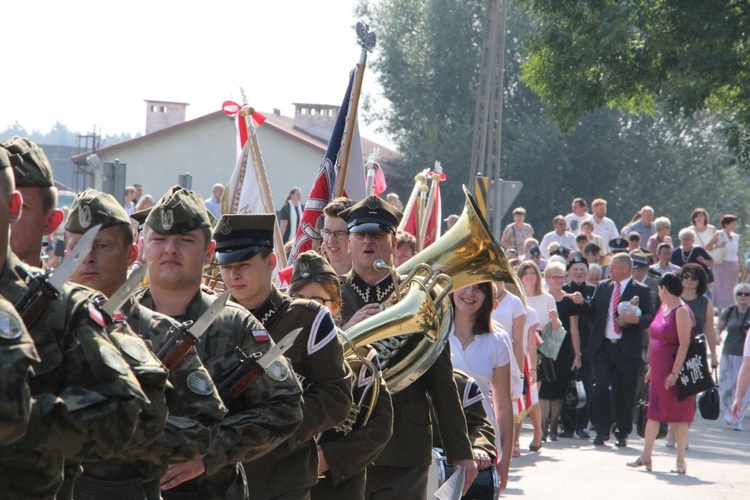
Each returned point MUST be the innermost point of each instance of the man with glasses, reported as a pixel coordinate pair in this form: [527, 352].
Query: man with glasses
[401, 470]
[335, 236]
[244, 250]
[560, 235]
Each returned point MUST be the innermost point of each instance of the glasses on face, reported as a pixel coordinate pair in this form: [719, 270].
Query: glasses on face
[743, 294]
[690, 277]
[320, 300]
[334, 235]
[556, 277]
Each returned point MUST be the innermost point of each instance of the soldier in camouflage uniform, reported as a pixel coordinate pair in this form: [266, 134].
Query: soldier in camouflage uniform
[194, 404]
[244, 250]
[346, 451]
[401, 469]
[17, 352]
[177, 237]
[85, 399]
[40, 216]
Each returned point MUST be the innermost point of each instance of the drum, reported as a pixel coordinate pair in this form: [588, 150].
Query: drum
[484, 487]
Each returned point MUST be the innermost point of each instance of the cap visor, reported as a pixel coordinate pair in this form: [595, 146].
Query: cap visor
[371, 227]
[233, 256]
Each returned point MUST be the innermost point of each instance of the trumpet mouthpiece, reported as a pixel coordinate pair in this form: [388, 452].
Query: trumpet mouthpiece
[380, 264]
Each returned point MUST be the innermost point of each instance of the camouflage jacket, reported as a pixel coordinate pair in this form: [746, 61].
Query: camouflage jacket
[17, 352]
[85, 398]
[264, 416]
[194, 409]
[348, 454]
[318, 361]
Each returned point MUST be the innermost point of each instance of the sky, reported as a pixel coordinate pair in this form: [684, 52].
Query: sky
[92, 64]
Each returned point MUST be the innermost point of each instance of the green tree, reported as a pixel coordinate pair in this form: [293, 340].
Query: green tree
[675, 56]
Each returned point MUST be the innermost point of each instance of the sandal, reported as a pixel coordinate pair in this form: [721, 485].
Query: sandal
[533, 447]
[516, 450]
[679, 468]
[640, 462]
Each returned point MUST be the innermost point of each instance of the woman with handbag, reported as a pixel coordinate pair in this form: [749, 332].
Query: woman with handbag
[725, 248]
[484, 354]
[552, 393]
[736, 321]
[671, 333]
[546, 308]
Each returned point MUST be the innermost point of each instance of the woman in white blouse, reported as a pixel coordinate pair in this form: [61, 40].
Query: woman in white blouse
[484, 354]
[728, 271]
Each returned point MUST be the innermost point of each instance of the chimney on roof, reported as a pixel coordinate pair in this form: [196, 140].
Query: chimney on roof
[164, 114]
[277, 111]
[315, 119]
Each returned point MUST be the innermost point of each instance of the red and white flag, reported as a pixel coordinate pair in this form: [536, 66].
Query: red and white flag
[433, 221]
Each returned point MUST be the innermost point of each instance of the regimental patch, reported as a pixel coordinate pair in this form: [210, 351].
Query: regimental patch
[472, 393]
[304, 270]
[10, 328]
[200, 383]
[322, 331]
[167, 219]
[278, 371]
[135, 349]
[84, 216]
[113, 359]
[261, 335]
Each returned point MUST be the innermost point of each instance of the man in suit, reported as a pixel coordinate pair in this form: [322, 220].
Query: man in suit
[616, 348]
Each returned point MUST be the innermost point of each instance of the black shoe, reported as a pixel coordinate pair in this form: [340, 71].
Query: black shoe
[553, 437]
[535, 448]
[599, 439]
[544, 437]
[567, 434]
[621, 442]
[582, 433]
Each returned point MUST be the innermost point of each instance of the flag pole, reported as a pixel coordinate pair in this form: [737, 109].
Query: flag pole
[434, 176]
[367, 40]
[265, 188]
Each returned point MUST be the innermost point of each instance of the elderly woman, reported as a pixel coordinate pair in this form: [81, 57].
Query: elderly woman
[688, 252]
[735, 320]
[663, 226]
[670, 337]
[730, 268]
[516, 234]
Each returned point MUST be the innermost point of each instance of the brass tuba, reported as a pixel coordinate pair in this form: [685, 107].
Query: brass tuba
[467, 254]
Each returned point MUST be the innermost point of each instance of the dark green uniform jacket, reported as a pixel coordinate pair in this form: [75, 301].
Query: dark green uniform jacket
[348, 455]
[318, 360]
[411, 443]
[85, 398]
[264, 416]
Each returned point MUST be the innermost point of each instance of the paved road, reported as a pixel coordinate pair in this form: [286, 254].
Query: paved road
[718, 467]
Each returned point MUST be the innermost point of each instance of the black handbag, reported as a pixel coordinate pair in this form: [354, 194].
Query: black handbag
[640, 424]
[709, 403]
[575, 394]
[695, 375]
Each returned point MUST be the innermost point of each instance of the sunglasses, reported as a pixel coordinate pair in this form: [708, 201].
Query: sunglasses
[743, 294]
[690, 277]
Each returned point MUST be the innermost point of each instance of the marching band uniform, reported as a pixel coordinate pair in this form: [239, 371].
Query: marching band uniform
[317, 358]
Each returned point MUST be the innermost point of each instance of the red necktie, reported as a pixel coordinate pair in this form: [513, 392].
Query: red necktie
[615, 302]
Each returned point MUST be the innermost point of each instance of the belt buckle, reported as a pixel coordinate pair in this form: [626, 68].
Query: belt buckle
[615, 341]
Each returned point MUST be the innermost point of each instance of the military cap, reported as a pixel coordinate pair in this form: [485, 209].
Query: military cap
[641, 259]
[561, 251]
[241, 237]
[534, 251]
[310, 264]
[618, 245]
[578, 260]
[30, 165]
[93, 207]
[178, 212]
[372, 214]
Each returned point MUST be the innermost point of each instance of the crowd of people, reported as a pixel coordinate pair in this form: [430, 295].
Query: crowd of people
[166, 392]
